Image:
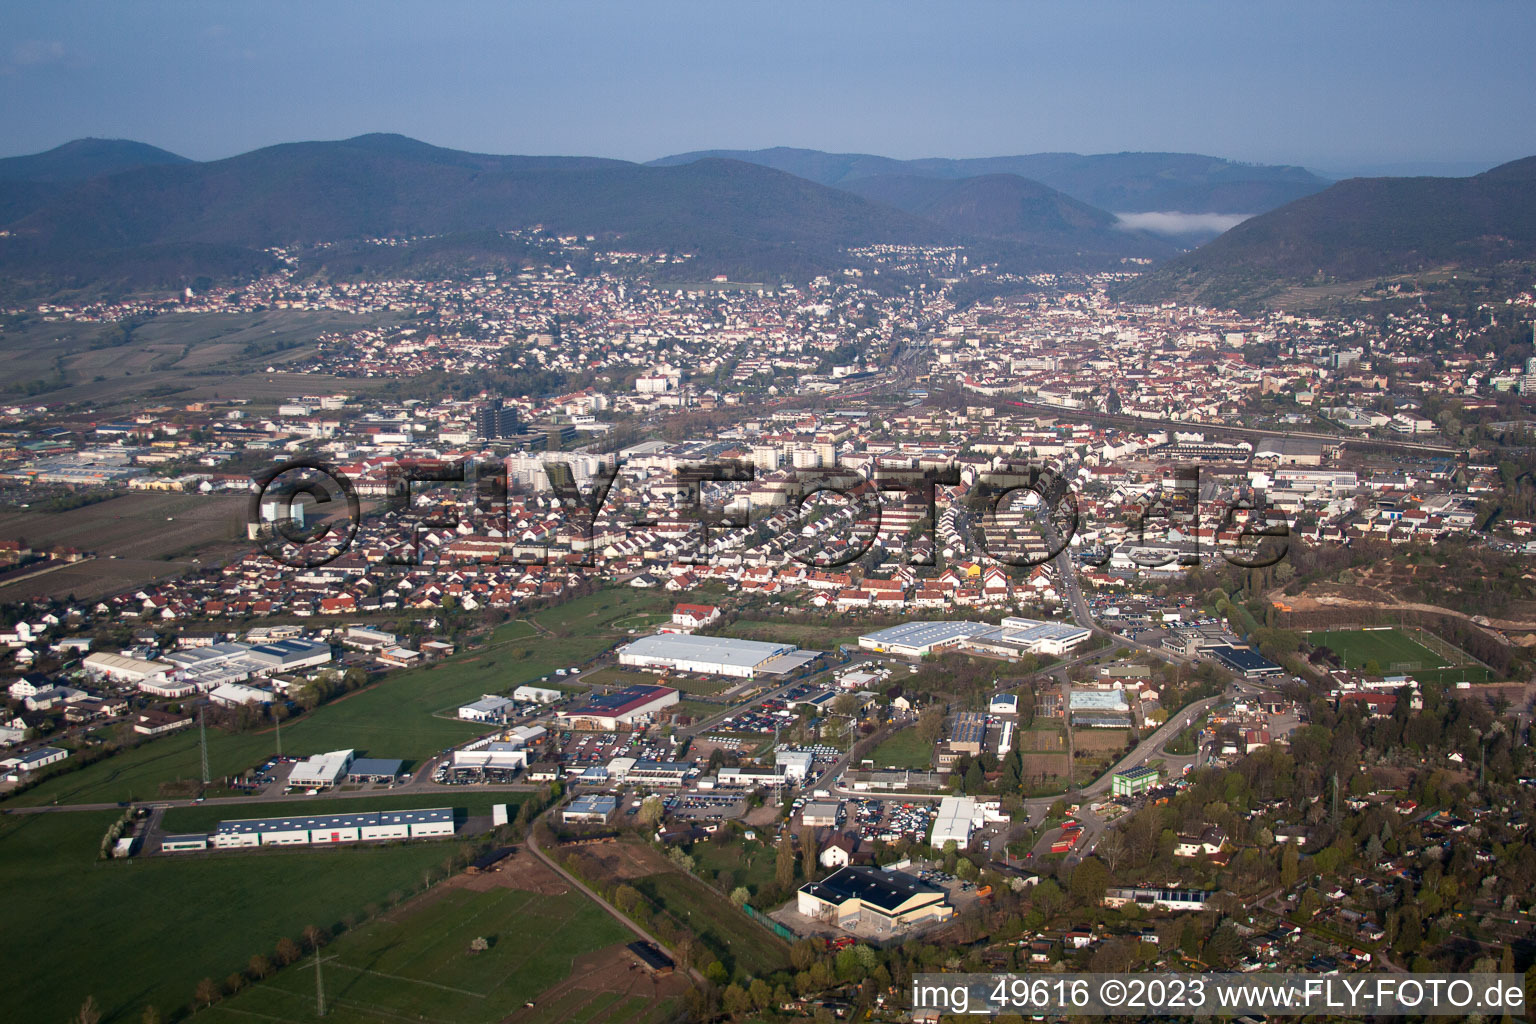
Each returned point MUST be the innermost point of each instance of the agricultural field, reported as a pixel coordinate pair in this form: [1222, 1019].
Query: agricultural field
[408, 714]
[136, 538]
[210, 914]
[1043, 773]
[186, 355]
[417, 964]
[904, 749]
[1402, 651]
[1041, 738]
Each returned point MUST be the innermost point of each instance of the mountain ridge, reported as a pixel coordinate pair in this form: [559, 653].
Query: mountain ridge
[1358, 229]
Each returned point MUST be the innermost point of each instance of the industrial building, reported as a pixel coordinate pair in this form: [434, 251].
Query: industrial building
[1134, 781]
[489, 708]
[537, 694]
[1012, 637]
[365, 826]
[710, 655]
[321, 771]
[119, 669]
[957, 816]
[374, 769]
[630, 706]
[821, 814]
[589, 810]
[873, 902]
[796, 764]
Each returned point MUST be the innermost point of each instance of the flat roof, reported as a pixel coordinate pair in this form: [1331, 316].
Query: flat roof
[619, 702]
[1141, 771]
[360, 819]
[375, 766]
[720, 650]
[925, 634]
[593, 804]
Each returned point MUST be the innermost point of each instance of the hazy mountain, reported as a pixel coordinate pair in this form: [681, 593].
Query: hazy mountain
[1358, 230]
[156, 225]
[84, 158]
[1006, 206]
[1119, 182]
[28, 182]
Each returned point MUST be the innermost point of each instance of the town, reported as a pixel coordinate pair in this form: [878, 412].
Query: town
[806, 637]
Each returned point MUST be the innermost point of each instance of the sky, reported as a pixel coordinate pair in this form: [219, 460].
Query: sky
[1340, 87]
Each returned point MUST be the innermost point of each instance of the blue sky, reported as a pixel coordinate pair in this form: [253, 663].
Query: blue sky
[1339, 86]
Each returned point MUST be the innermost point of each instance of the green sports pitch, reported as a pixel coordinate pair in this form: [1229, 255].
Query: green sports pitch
[1402, 652]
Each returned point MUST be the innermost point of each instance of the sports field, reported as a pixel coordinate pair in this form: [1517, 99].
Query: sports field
[419, 965]
[1401, 651]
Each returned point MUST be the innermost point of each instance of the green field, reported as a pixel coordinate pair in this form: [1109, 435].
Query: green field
[904, 750]
[465, 800]
[393, 718]
[144, 931]
[419, 966]
[746, 948]
[1398, 652]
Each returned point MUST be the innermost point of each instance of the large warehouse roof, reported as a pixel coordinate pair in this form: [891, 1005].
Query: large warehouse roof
[324, 821]
[925, 634]
[718, 650]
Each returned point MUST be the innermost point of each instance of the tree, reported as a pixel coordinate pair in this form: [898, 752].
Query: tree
[1289, 861]
[735, 1000]
[784, 862]
[313, 936]
[479, 944]
[89, 1012]
[740, 896]
[150, 1016]
[651, 811]
[930, 724]
[207, 991]
[259, 966]
[1089, 880]
[287, 950]
[808, 853]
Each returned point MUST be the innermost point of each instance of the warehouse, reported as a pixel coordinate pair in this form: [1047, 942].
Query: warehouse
[289, 655]
[918, 639]
[537, 694]
[1011, 638]
[873, 902]
[118, 669]
[362, 827]
[957, 816]
[705, 655]
[489, 708]
[630, 706]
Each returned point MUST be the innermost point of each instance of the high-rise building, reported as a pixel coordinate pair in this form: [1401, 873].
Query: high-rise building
[497, 420]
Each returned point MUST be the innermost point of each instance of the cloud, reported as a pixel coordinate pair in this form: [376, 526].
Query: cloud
[1171, 222]
[35, 53]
